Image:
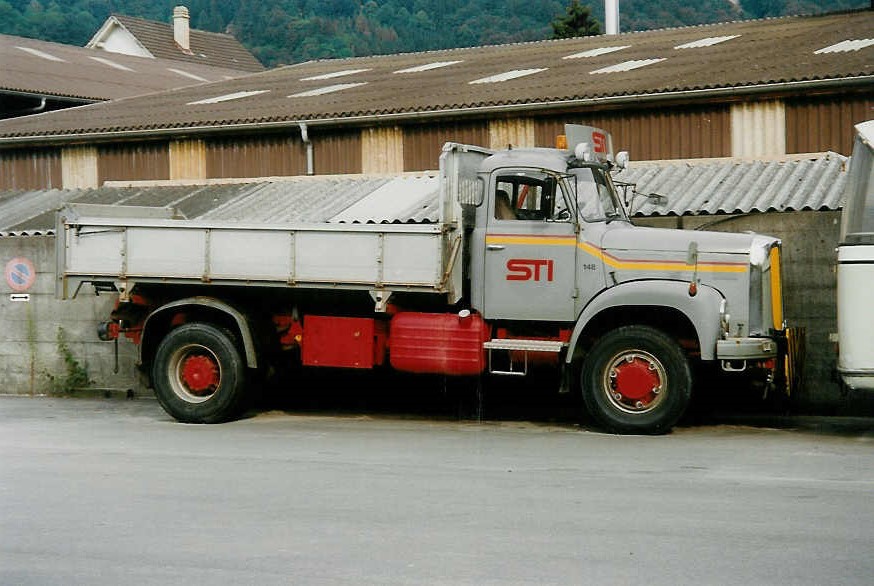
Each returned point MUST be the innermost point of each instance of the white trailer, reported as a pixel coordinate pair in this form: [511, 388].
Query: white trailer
[855, 271]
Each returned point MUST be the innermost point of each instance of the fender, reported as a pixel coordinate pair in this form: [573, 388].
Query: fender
[703, 310]
[211, 303]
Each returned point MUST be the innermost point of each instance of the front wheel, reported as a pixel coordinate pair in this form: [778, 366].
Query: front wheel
[636, 379]
[198, 374]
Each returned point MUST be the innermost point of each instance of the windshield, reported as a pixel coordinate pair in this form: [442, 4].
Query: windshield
[596, 195]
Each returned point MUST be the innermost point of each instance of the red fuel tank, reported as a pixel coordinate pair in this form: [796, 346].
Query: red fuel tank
[438, 343]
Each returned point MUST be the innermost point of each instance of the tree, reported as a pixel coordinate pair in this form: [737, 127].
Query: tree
[577, 22]
[764, 8]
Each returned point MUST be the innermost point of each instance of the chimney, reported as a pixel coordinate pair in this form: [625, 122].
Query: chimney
[180, 28]
[611, 17]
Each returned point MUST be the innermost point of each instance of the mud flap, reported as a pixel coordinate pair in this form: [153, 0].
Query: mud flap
[790, 368]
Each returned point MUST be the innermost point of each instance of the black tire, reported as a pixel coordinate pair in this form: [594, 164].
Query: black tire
[199, 375]
[636, 379]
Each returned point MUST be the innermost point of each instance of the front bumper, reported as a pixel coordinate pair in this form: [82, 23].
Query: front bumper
[746, 349]
[782, 354]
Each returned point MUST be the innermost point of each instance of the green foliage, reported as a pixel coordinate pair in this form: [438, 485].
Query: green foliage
[75, 376]
[577, 22]
[291, 31]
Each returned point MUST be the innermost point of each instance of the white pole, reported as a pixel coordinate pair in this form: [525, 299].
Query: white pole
[611, 17]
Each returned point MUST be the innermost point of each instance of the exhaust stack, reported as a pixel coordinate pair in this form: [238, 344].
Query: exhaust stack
[611, 17]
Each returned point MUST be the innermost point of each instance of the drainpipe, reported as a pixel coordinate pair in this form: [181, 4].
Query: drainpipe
[305, 137]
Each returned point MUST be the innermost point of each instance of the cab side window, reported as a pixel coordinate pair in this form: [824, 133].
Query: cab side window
[524, 197]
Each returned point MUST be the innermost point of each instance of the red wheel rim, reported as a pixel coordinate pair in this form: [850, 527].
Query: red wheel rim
[634, 381]
[200, 374]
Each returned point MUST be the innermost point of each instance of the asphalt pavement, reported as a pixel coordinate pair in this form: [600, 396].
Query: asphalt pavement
[110, 491]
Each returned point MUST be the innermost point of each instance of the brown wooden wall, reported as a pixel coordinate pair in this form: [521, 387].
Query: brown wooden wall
[133, 162]
[825, 124]
[30, 169]
[679, 133]
[423, 144]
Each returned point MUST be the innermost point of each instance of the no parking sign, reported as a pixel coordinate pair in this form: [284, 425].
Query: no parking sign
[20, 274]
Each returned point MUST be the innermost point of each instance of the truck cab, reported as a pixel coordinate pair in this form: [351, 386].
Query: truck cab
[554, 255]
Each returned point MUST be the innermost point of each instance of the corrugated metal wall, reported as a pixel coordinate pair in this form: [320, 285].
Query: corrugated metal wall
[260, 156]
[825, 124]
[30, 169]
[422, 144]
[680, 133]
[758, 129]
[133, 162]
[336, 151]
[382, 149]
[283, 154]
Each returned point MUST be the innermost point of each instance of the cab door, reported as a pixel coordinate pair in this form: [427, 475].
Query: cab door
[530, 248]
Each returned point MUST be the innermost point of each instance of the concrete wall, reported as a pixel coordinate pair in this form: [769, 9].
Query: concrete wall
[29, 349]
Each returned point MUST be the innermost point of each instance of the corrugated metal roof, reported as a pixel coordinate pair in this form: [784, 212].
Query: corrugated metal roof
[89, 74]
[705, 186]
[761, 55]
[726, 186]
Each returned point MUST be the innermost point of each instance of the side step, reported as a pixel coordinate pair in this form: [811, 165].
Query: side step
[519, 345]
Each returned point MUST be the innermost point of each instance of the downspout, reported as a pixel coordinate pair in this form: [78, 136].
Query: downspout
[305, 137]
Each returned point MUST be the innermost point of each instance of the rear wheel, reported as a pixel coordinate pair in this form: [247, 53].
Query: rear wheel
[636, 379]
[198, 374]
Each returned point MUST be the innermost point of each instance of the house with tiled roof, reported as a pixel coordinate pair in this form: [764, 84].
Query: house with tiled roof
[39, 76]
[147, 38]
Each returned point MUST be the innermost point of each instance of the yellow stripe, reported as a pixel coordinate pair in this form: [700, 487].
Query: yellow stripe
[544, 240]
[631, 265]
[614, 262]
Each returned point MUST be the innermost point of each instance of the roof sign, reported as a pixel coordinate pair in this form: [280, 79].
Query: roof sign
[186, 74]
[507, 75]
[335, 74]
[596, 52]
[627, 65]
[41, 54]
[708, 42]
[112, 64]
[329, 89]
[228, 97]
[427, 67]
[846, 46]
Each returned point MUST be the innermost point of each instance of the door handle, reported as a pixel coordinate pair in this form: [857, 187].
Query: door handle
[495, 247]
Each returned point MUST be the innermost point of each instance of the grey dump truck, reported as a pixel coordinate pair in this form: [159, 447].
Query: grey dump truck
[529, 257]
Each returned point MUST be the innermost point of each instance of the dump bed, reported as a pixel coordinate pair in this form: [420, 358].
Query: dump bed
[364, 246]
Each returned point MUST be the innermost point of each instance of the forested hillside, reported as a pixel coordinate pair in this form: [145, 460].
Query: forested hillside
[290, 31]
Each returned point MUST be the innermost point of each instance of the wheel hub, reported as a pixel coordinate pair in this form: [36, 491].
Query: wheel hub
[635, 381]
[200, 374]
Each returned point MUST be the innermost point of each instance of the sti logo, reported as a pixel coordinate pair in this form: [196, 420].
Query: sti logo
[600, 142]
[530, 269]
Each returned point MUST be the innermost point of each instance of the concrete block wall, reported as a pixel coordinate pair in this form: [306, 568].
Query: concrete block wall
[29, 349]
